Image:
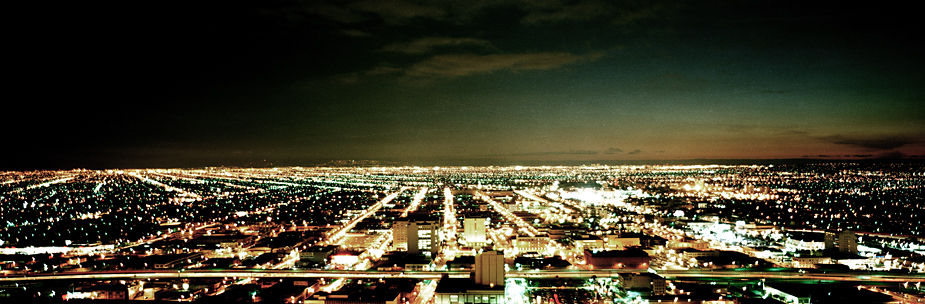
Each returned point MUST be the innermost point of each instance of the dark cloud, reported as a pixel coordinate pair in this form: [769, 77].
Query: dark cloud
[363, 12]
[335, 12]
[883, 143]
[891, 155]
[773, 91]
[347, 78]
[554, 11]
[613, 151]
[399, 11]
[529, 12]
[355, 33]
[383, 69]
[637, 151]
[838, 156]
[468, 64]
[569, 152]
[533, 12]
[458, 65]
[545, 153]
[618, 13]
[428, 44]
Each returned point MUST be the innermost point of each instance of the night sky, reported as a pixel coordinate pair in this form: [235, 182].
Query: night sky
[134, 84]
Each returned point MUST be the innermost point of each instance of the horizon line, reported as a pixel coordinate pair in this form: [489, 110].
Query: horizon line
[511, 163]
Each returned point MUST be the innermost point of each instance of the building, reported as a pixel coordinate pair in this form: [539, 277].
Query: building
[531, 245]
[400, 235]
[357, 293]
[416, 236]
[805, 241]
[590, 242]
[810, 261]
[691, 299]
[764, 252]
[846, 241]
[691, 253]
[345, 258]
[644, 281]
[456, 291]
[423, 236]
[618, 259]
[688, 243]
[474, 229]
[646, 240]
[317, 254]
[522, 263]
[286, 291]
[285, 245]
[726, 259]
[860, 263]
[616, 242]
[403, 262]
[561, 232]
[487, 286]
[115, 291]
[489, 268]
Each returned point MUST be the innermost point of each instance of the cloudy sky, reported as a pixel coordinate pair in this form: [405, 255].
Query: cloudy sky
[254, 83]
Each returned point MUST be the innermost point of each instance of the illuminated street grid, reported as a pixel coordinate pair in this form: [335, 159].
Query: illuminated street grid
[155, 230]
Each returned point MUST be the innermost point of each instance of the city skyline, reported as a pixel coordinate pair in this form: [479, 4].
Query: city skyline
[434, 82]
[521, 234]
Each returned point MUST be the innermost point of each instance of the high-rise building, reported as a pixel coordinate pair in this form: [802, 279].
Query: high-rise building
[489, 268]
[416, 235]
[400, 235]
[474, 229]
[846, 241]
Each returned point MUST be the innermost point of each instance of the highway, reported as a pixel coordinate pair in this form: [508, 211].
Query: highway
[241, 273]
[433, 275]
[845, 277]
[739, 274]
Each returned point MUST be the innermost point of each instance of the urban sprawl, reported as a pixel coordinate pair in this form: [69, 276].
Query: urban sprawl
[809, 233]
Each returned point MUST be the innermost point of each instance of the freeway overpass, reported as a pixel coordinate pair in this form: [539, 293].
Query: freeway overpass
[737, 274]
[240, 273]
[431, 275]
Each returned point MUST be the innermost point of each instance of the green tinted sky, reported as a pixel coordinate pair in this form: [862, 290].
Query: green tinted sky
[171, 84]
